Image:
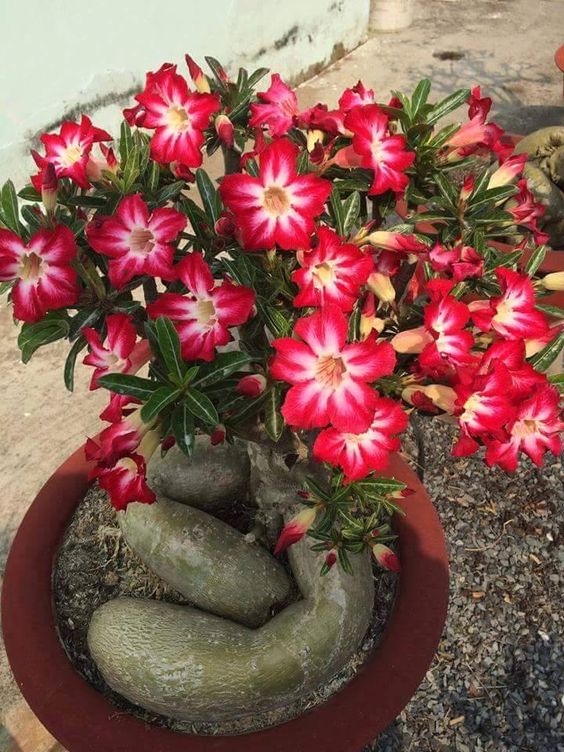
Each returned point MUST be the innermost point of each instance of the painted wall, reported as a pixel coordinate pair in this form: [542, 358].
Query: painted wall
[64, 56]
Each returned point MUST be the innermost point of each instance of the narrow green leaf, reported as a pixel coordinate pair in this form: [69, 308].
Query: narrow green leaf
[183, 429]
[217, 70]
[125, 141]
[351, 210]
[535, 260]
[209, 194]
[32, 336]
[130, 169]
[420, 96]
[256, 76]
[545, 357]
[6, 286]
[554, 311]
[223, 366]
[70, 362]
[201, 406]
[30, 194]
[157, 402]
[273, 421]
[557, 380]
[448, 104]
[134, 386]
[9, 203]
[169, 346]
[153, 176]
[338, 212]
[169, 192]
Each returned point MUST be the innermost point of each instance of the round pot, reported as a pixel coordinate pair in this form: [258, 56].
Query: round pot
[83, 720]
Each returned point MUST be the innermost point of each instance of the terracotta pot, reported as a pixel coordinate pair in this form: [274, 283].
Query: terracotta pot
[83, 720]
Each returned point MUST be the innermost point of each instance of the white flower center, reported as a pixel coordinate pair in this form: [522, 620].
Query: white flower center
[31, 266]
[71, 155]
[323, 274]
[330, 371]
[141, 241]
[177, 118]
[276, 200]
[205, 312]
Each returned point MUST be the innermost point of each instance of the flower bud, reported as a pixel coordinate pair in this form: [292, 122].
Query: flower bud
[314, 138]
[49, 188]
[225, 130]
[295, 529]
[225, 225]
[467, 189]
[197, 75]
[218, 435]
[330, 559]
[381, 285]
[252, 385]
[439, 395]
[553, 281]
[386, 557]
[509, 170]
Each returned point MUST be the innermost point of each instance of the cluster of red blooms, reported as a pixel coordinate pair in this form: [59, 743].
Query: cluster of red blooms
[468, 357]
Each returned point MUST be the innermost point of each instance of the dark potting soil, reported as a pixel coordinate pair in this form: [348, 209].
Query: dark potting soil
[95, 565]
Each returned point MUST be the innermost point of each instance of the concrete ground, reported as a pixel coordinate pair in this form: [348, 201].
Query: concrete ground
[506, 46]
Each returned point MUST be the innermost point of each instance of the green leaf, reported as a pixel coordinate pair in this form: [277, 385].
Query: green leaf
[31, 217]
[153, 176]
[130, 169]
[223, 366]
[30, 194]
[9, 204]
[380, 486]
[273, 420]
[169, 346]
[338, 211]
[351, 210]
[535, 260]
[201, 406]
[125, 141]
[183, 429]
[447, 189]
[134, 386]
[70, 362]
[448, 104]
[256, 76]
[157, 402]
[557, 380]
[49, 329]
[209, 194]
[552, 310]
[420, 96]
[89, 202]
[83, 317]
[217, 70]
[169, 192]
[492, 196]
[545, 357]
[6, 286]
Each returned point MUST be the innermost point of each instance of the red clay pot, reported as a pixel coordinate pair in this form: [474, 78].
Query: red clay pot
[85, 721]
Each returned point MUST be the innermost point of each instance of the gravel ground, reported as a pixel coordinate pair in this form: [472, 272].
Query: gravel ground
[497, 681]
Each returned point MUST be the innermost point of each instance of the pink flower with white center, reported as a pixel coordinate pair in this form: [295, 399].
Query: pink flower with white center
[462, 261]
[512, 315]
[511, 353]
[333, 272]
[252, 385]
[137, 241]
[385, 154]
[320, 118]
[294, 530]
[68, 151]
[330, 378]
[357, 96]
[177, 115]
[277, 110]
[359, 454]
[125, 482]
[115, 409]
[118, 439]
[119, 353]
[445, 320]
[483, 407]
[536, 429]
[527, 212]
[278, 207]
[471, 136]
[204, 315]
[44, 277]
[385, 557]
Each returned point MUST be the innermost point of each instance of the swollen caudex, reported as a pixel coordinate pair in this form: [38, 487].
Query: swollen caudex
[192, 664]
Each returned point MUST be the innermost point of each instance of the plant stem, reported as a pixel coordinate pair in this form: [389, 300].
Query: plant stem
[150, 290]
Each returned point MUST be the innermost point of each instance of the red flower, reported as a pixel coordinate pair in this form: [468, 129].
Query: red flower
[330, 378]
[204, 315]
[511, 353]
[117, 440]
[277, 109]
[278, 206]
[126, 481]
[68, 151]
[536, 430]
[357, 96]
[380, 151]
[177, 115]
[478, 105]
[119, 353]
[294, 530]
[45, 279]
[386, 557]
[138, 242]
[360, 454]
[252, 385]
[527, 212]
[462, 261]
[333, 272]
[512, 315]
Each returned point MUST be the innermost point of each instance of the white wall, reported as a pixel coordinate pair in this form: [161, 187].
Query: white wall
[59, 55]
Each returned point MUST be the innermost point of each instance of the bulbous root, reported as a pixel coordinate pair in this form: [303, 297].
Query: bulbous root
[197, 666]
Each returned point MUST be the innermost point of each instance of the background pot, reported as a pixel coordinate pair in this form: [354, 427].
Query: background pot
[83, 720]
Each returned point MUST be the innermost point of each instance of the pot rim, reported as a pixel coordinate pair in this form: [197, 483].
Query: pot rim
[83, 720]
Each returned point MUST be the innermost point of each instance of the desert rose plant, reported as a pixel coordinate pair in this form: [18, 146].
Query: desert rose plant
[352, 266]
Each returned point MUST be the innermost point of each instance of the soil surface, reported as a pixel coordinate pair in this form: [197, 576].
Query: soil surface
[96, 565]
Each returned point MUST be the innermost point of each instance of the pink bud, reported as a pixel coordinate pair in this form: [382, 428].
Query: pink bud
[331, 558]
[197, 75]
[225, 130]
[386, 557]
[218, 435]
[49, 188]
[295, 530]
[225, 226]
[251, 385]
[467, 188]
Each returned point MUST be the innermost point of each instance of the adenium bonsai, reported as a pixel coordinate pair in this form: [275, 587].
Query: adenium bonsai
[351, 267]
